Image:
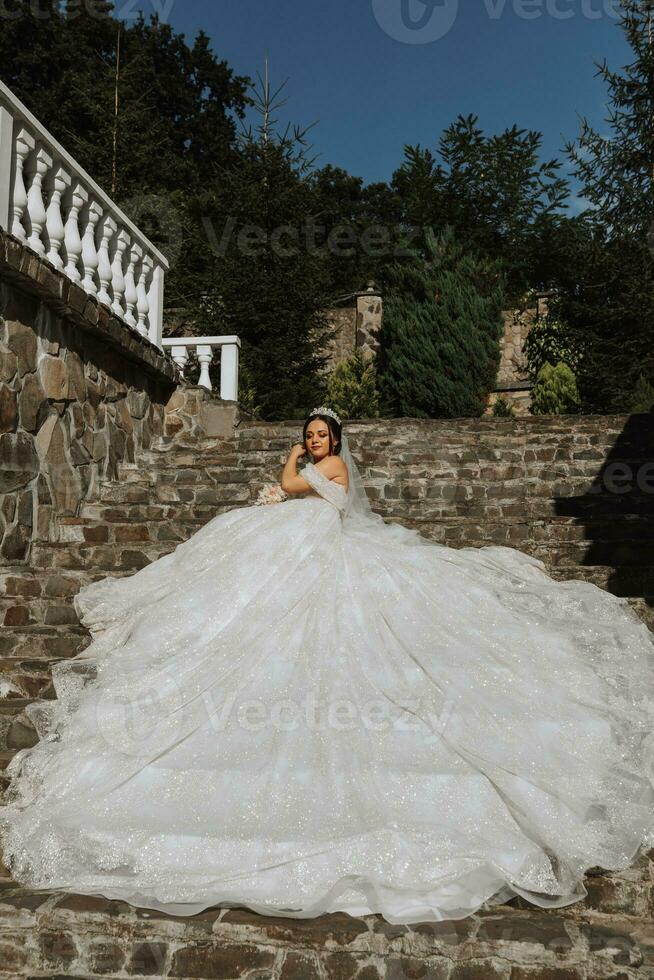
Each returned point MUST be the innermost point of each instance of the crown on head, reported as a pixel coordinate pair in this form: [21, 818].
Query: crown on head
[323, 410]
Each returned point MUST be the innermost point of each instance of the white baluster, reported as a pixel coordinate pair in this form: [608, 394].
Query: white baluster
[229, 372]
[131, 295]
[204, 353]
[25, 143]
[42, 163]
[143, 304]
[108, 230]
[54, 221]
[90, 259]
[78, 198]
[179, 354]
[117, 273]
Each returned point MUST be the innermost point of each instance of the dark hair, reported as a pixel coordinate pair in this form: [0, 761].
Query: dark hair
[335, 429]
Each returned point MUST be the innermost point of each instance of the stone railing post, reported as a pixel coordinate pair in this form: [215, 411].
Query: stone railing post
[205, 347]
[6, 162]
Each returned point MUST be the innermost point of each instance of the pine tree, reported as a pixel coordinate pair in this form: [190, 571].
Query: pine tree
[441, 333]
[492, 190]
[265, 284]
[643, 396]
[608, 300]
[555, 391]
[352, 390]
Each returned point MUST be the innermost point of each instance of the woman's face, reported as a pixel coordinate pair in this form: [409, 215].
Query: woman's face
[317, 439]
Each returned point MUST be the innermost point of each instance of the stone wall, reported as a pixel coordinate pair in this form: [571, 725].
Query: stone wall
[514, 384]
[574, 491]
[79, 394]
[355, 323]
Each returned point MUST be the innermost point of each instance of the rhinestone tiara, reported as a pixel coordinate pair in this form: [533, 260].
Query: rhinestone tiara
[323, 410]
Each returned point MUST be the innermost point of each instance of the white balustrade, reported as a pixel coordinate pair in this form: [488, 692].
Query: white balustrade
[118, 273]
[42, 164]
[107, 231]
[143, 303]
[90, 258]
[72, 238]
[131, 293]
[18, 201]
[49, 203]
[205, 348]
[54, 221]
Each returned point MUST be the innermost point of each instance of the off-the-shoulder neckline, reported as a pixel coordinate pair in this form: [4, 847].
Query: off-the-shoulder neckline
[340, 485]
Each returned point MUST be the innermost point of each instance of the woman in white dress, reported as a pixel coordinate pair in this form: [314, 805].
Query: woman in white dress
[304, 710]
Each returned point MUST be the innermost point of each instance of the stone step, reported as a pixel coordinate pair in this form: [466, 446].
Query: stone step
[103, 513]
[102, 560]
[42, 642]
[55, 935]
[27, 583]
[16, 729]
[607, 935]
[441, 503]
[613, 554]
[194, 492]
[627, 582]
[644, 608]
[30, 612]
[86, 531]
[26, 679]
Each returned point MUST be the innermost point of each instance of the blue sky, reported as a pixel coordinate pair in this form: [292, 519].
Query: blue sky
[352, 69]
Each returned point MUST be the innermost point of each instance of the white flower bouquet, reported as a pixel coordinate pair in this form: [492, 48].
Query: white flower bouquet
[271, 493]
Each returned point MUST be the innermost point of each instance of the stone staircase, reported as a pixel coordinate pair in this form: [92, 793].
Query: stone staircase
[552, 487]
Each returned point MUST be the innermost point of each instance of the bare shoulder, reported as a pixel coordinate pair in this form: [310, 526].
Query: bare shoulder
[332, 467]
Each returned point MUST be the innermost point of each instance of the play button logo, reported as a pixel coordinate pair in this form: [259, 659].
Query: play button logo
[416, 21]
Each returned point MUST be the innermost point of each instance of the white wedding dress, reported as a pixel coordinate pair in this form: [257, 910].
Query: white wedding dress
[304, 710]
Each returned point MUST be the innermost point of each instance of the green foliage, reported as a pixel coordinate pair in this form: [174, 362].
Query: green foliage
[555, 391]
[616, 168]
[175, 121]
[607, 277]
[441, 333]
[550, 340]
[351, 388]
[643, 397]
[501, 201]
[502, 409]
[266, 287]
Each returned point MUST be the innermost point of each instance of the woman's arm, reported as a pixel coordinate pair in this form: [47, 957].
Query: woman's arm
[290, 481]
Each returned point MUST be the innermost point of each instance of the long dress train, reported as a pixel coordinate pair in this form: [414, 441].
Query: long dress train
[301, 713]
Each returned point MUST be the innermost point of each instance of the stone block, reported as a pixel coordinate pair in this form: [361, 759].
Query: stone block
[77, 381]
[213, 962]
[20, 461]
[21, 339]
[32, 404]
[8, 363]
[8, 409]
[217, 419]
[53, 375]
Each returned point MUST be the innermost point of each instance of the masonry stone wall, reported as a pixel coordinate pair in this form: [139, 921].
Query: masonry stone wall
[355, 324]
[79, 394]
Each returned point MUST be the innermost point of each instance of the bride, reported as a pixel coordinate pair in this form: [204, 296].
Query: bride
[304, 710]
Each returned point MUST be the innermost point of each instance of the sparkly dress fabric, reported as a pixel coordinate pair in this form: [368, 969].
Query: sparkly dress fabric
[302, 711]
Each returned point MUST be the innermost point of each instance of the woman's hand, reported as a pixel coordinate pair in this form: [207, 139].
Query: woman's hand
[298, 450]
